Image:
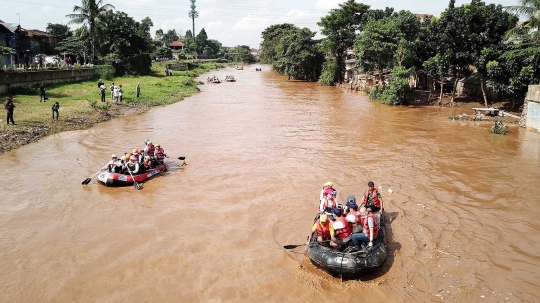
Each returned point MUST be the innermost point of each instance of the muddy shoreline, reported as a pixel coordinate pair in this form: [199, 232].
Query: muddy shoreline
[19, 135]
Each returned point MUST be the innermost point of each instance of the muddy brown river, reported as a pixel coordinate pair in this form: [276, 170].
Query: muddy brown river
[461, 217]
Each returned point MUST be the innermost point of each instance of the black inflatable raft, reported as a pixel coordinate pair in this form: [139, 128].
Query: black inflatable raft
[350, 262]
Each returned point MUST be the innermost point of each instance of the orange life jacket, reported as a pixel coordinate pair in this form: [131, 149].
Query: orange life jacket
[374, 201]
[364, 223]
[344, 232]
[323, 230]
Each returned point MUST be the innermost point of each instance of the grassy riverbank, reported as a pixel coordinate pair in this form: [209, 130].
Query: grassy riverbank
[80, 105]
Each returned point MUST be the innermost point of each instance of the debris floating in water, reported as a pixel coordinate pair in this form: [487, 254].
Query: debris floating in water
[389, 190]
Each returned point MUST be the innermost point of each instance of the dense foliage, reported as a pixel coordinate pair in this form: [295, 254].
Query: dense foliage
[475, 43]
[292, 51]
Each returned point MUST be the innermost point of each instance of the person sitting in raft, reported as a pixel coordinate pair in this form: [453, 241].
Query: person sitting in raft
[147, 163]
[114, 166]
[328, 202]
[132, 166]
[343, 229]
[140, 156]
[326, 186]
[370, 229]
[372, 199]
[149, 149]
[159, 154]
[324, 229]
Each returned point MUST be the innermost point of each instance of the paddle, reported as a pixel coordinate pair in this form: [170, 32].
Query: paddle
[87, 180]
[182, 159]
[295, 246]
[137, 187]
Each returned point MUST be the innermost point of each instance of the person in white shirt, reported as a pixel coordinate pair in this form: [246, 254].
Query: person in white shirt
[328, 202]
[114, 166]
[116, 93]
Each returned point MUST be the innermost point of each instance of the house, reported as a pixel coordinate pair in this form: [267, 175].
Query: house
[177, 47]
[35, 42]
[7, 39]
[424, 17]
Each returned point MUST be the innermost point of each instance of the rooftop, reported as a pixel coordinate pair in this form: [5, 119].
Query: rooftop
[176, 43]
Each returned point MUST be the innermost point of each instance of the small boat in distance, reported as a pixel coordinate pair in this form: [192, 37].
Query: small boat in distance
[239, 67]
[230, 79]
[213, 80]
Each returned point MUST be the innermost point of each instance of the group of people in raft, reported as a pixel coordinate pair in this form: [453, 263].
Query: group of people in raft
[337, 225]
[137, 162]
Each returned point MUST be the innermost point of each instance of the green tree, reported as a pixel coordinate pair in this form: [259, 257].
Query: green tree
[59, 30]
[271, 37]
[159, 34]
[531, 10]
[340, 27]
[169, 37]
[89, 14]
[74, 45]
[201, 41]
[298, 55]
[126, 43]
[243, 54]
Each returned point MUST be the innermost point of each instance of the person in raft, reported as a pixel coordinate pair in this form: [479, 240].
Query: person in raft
[328, 202]
[370, 229]
[372, 199]
[133, 165]
[114, 166]
[327, 185]
[324, 229]
[343, 229]
[159, 154]
[147, 163]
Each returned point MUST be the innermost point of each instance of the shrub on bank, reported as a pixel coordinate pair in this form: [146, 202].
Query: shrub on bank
[398, 92]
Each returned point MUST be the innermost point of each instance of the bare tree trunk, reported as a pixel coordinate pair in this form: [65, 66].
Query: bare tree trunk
[454, 90]
[483, 92]
[441, 95]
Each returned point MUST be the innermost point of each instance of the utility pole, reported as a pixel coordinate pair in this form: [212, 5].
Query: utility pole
[193, 14]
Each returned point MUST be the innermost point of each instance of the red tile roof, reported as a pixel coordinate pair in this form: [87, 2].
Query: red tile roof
[423, 16]
[176, 43]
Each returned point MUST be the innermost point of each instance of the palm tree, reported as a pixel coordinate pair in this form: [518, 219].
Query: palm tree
[89, 14]
[531, 10]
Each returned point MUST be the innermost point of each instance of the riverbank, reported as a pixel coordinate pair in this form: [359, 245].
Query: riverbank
[81, 108]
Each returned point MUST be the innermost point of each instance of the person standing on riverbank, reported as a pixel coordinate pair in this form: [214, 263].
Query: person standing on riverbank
[54, 109]
[120, 93]
[102, 91]
[10, 107]
[42, 93]
[112, 91]
[138, 90]
[100, 83]
[116, 93]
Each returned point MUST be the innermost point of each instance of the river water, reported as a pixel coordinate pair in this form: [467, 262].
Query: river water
[461, 215]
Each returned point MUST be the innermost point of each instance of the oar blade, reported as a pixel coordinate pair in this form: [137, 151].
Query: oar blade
[137, 187]
[182, 158]
[86, 181]
[292, 246]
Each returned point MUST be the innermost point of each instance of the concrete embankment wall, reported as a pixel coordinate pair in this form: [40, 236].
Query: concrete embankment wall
[33, 78]
[533, 107]
[177, 66]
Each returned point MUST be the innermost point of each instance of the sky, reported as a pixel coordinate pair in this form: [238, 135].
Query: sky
[232, 22]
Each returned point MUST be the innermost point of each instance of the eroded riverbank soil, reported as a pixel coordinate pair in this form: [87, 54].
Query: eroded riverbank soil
[18, 135]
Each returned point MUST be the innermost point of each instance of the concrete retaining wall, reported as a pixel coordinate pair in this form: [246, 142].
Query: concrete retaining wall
[177, 66]
[533, 107]
[33, 78]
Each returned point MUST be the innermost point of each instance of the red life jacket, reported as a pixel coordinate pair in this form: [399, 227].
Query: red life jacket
[323, 230]
[374, 198]
[147, 164]
[150, 151]
[159, 153]
[327, 203]
[345, 231]
[364, 223]
[356, 215]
